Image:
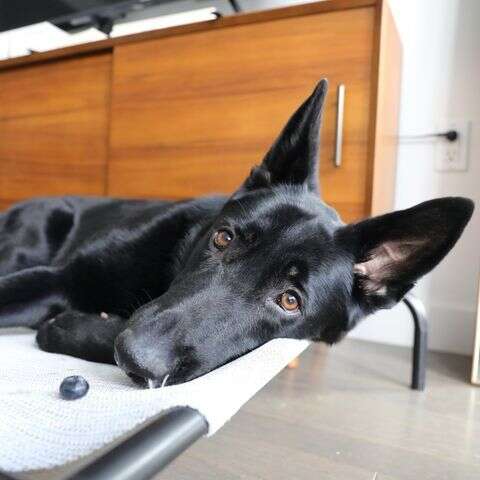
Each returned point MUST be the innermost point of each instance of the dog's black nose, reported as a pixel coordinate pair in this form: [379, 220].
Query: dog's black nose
[138, 362]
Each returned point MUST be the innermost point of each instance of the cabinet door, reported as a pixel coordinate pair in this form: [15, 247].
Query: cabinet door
[192, 113]
[53, 128]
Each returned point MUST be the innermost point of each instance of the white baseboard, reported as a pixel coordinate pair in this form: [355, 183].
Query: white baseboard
[451, 328]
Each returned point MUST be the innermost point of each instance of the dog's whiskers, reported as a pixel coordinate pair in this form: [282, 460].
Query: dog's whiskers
[151, 383]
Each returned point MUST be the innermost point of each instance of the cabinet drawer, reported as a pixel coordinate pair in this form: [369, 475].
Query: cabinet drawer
[54, 142]
[53, 87]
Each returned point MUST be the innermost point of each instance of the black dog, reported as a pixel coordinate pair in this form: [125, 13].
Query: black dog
[190, 285]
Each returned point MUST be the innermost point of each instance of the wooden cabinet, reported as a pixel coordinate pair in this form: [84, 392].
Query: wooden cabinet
[188, 111]
[53, 128]
[193, 113]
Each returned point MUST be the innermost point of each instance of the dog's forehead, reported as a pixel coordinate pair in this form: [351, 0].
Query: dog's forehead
[283, 208]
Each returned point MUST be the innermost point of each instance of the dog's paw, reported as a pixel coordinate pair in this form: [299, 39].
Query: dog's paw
[63, 333]
[84, 335]
[50, 335]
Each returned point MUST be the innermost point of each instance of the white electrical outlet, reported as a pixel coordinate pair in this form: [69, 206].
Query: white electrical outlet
[453, 156]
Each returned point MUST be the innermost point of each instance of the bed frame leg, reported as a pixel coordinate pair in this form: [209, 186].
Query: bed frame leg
[294, 363]
[420, 343]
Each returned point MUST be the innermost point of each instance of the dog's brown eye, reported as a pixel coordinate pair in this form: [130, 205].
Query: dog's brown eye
[222, 239]
[289, 301]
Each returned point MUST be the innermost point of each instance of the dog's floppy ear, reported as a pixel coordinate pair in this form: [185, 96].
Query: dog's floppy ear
[391, 252]
[293, 158]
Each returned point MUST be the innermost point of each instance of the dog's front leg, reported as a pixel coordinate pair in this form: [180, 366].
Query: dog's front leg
[84, 335]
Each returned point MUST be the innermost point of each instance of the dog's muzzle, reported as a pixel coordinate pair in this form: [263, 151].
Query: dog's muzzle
[134, 357]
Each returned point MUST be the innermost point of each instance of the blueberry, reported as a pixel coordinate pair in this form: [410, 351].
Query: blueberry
[73, 387]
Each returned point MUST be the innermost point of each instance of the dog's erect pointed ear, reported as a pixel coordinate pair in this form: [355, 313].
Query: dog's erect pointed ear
[293, 158]
[391, 252]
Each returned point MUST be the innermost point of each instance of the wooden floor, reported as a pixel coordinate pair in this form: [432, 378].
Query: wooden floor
[346, 413]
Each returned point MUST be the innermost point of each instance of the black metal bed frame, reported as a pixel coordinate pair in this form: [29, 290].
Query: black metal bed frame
[148, 451]
[420, 340]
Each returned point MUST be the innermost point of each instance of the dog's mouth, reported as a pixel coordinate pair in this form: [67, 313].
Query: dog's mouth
[141, 381]
[148, 382]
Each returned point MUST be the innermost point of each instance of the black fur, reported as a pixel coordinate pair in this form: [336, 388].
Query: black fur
[179, 305]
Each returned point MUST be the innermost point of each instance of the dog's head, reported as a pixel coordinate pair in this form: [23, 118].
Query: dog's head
[278, 262]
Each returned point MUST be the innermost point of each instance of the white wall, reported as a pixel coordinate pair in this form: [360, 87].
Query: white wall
[441, 80]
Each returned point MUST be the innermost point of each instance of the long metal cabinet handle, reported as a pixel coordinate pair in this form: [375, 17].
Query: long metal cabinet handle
[337, 159]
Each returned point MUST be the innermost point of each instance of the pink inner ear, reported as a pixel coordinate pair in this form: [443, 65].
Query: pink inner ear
[384, 263]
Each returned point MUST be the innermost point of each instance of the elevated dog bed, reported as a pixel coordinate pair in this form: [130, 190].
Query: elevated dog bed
[40, 430]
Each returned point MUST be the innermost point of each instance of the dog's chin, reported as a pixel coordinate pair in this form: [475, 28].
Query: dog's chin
[333, 335]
